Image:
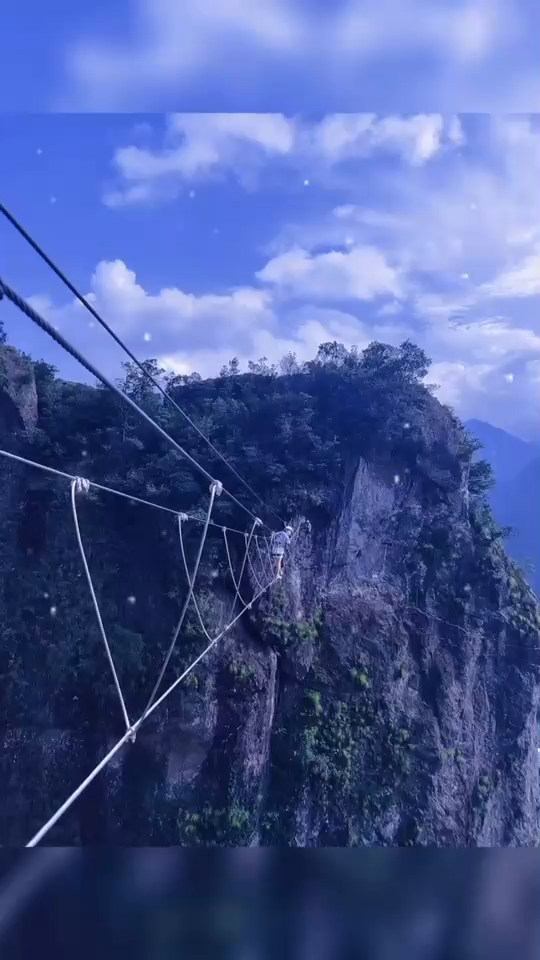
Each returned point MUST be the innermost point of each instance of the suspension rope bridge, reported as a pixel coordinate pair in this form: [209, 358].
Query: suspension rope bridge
[80, 486]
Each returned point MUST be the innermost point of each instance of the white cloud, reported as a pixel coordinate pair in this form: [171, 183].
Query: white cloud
[455, 239]
[460, 32]
[212, 328]
[521, 280]
[486, 392]
[358, 274]
[468, 52]
[472, 362]
[174, 44]
[492, 340]
[197, 145]
[463, 238]
[217, 319]
[417, 138]
[201, 145]
[303, 341]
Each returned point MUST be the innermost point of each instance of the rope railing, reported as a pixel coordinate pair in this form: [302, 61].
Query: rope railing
[54, 471]
[80, 485]
[33, 315]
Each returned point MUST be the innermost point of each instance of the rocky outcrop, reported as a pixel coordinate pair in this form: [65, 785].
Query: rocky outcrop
[384, 693]
[367, 702]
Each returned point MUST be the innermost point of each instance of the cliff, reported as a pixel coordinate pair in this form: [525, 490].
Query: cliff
[384, 693]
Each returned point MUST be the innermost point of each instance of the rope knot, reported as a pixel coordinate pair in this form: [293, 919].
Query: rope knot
[258, 522]
[183, 517]
[82, 485]
[216, 487]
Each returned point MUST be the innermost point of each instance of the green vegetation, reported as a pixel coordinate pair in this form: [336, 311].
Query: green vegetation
[230, 827]
[287, 634]
[292, 432]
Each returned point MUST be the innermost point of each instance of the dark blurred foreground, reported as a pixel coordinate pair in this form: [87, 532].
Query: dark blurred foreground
[247, 903]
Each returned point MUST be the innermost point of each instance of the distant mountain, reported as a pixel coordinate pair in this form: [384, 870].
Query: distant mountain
[516, 504]
[507, 454]
[515, 499]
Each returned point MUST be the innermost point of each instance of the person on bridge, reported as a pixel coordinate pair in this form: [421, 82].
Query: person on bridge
[280, 541]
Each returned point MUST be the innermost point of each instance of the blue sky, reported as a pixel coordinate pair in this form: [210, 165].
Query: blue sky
[230, 55]
[205, 236]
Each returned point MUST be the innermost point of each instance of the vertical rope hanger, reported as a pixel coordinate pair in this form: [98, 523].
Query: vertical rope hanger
[267, 570]
[79, 485]
[253, 574]
[237, 595]
[216, 489]
[236, 585]
[248, 539]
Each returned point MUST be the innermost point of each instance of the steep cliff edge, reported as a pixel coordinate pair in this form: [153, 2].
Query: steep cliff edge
[385, 692]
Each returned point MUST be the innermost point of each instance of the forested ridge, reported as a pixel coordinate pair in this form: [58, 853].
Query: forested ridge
[289, 734]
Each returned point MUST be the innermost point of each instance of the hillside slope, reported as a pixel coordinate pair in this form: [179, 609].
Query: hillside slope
[385, 692]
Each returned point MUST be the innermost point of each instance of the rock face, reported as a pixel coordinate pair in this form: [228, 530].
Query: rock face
[386, 698]
[384, 693]
[18, 396]
[362, 716]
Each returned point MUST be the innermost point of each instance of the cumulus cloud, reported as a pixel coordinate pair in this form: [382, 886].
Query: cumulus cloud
[210, 328]
[164, 318]
[302, 339]
[449, 258]
[201, 145]
[464, 237]
[486, 368]
[359, 274]
[171, 311]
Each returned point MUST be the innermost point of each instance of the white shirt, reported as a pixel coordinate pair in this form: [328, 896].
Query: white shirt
[280, 540]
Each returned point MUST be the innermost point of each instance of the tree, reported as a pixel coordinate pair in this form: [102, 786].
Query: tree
[44, 374]
[262, 368]
[3, 335]
[289, 365]
[409, 362]
[481, 478]
[231, 369]
[332, 354]
[414, 362]
[136, 385]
